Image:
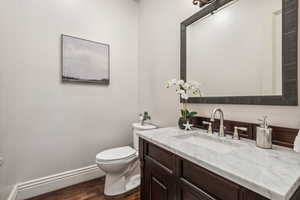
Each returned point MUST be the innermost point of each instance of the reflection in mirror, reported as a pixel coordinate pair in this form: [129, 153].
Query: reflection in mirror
[237, 51]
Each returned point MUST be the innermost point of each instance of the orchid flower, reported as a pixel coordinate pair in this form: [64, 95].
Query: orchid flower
[185, 90]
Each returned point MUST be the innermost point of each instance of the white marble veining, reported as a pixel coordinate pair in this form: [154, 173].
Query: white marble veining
[274, 173]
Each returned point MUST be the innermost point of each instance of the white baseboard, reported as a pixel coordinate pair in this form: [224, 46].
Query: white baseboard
[13, 194]
[54, 182]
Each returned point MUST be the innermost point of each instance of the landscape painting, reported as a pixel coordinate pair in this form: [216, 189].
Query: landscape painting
[84, 60]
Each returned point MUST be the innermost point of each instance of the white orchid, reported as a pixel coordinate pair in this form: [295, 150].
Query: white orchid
[171, 83]
[185, 90]
[180, 83]
[187, 86]
[185, 96]
[180, 91]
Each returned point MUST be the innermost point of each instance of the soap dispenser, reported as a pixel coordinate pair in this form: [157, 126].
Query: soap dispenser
[264, 135]
[296, 144]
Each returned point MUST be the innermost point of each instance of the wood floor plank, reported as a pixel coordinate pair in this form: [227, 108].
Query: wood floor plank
[91, 190]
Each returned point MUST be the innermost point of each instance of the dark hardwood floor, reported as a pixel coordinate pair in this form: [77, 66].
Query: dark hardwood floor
[91, 190]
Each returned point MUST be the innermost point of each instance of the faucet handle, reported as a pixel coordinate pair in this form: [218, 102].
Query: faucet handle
[242, 128]
[209, 127]
[236, 135]
[207, 123]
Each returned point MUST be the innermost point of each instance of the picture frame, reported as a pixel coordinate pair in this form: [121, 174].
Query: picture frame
[84, 61]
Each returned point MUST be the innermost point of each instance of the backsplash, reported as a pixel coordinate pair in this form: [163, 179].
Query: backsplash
[281, 135]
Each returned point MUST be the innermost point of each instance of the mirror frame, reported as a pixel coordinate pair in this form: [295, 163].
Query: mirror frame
[289, 95]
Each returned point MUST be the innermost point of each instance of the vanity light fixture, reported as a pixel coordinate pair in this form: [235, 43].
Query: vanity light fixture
[202, 3]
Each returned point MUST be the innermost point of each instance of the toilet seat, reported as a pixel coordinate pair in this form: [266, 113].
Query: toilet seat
[116, 154]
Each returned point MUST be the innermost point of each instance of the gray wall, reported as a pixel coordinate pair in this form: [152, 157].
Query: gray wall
[159, 61]
[49, 127]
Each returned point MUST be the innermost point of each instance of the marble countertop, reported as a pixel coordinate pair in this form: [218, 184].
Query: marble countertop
[275, 173]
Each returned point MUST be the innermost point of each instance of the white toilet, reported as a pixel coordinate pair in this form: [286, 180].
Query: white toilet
[121, 165]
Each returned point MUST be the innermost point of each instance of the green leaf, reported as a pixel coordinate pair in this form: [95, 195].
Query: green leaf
[185, 113]
[182, 113]
[193, 113]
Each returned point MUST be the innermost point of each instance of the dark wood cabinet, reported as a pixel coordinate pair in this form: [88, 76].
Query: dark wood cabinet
[249, 195]
[188, 192]
[159, 183]
[157, 173]
[166, 176]
[207, 181]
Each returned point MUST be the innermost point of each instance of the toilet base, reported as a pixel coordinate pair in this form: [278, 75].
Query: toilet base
[121, 184]
[115, 188]
[133, 183]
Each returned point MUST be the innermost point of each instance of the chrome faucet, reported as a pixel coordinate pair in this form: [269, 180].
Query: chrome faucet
[143, 117]
[212, 119]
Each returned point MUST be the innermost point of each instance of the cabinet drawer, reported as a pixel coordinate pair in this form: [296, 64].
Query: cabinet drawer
[190, 192]
[187, 195]
[161, 156]
[209, 182]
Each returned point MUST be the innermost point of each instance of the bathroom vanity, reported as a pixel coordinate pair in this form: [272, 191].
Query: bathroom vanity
[195, 165]
[249, 63]
[247, 69]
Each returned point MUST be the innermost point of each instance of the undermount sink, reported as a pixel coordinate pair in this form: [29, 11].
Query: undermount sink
[214, 143]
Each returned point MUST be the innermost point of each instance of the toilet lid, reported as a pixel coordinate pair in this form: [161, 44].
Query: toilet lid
[116, 154]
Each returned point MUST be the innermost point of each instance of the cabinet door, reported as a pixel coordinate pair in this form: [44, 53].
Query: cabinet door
[190, 192]
[159, 182]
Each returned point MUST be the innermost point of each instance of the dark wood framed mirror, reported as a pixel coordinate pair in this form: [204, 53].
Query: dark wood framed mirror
[287, 61]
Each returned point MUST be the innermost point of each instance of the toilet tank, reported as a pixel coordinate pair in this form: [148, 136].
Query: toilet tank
[138, 127]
